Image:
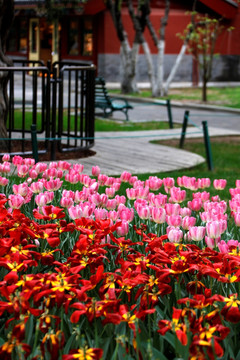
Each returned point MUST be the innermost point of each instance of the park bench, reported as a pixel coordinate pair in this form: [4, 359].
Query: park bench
[106, 103]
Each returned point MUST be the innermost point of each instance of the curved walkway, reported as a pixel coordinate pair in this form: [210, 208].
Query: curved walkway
[132, 151]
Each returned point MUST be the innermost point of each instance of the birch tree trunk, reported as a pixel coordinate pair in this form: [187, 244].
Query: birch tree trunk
[161, 50]
[128, 63]
[175, 68]
[128, 55]
[149, 66]
[6, 17]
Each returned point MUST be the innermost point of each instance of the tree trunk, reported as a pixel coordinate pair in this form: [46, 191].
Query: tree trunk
[6, 17]
[128, 62]
[149, 66]
[161, 50]
[174, 68]
[128, 55]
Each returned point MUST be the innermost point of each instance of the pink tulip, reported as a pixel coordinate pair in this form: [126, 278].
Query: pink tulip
[104, 200]
[96, 171]
[48, 173]
[220, 206]
[21, 189]
[204, 196]
[172, 209]
[6, 157]
[64, 165]
[175, 235]
[78, 168]
[40, 167]
[195, 204]
[33, 174]
[3, 181]
[154, 183]
[142, 192]
[159, 200]
[22, 170]
[132, 180]
[36, 187]
[212, 243]
[95, 199]
[17, 160]
[219, 184]
[234, 205]
[185, 211]
[75, 212]
[102, 179]
[204, 183]
[229, 246]
[125, 176]
[110, 192]
[139, 183]
[113, 215]
[5, 168]
[116, 186]
[213, 215]
[131, 193]
[100, 214]
[122, 229]
[177, 195]
[41, 199]
[143, 212]
[111, 204]
[215, 198]
[168, 182]
[174, 220]
[237, 182]
[236, 216]
[53, 184]
[158, 215]
[188, 222]
[68, 194]
[197, 233]
[214, 229]
[15, 201]
[234, 191]
[190, 183]
[126, 214]
[121, 199]
[66, 202]
[29, 162]
[53, 164]
[110, 181]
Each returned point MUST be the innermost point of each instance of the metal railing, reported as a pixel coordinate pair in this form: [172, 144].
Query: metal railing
[60, 103]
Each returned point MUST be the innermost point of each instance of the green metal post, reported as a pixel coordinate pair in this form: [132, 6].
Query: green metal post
[184, 128]
[34, 142]
[207, 146]
[169, 110]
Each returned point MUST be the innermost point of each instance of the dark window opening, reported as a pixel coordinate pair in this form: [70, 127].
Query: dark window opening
[18, 36]
[80, 37]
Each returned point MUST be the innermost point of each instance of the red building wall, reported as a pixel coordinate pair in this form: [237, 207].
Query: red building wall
[228, 43]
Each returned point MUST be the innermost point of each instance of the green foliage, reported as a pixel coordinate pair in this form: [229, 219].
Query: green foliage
[55, 9]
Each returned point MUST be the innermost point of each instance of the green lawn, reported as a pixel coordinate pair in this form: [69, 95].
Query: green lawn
[225, 154]
[227, 96]
[100, 124]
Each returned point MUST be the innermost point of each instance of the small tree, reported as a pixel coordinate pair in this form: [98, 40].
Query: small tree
[202, 35]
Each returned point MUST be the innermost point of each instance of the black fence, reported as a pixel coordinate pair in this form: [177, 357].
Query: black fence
[59, 101]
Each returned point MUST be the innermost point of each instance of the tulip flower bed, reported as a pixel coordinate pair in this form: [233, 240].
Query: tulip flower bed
[90, 273]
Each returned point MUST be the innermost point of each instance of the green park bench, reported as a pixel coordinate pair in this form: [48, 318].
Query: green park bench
[104, 102]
